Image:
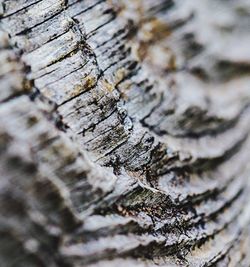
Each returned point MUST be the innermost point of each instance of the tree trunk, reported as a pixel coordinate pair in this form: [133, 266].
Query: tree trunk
[124, 133]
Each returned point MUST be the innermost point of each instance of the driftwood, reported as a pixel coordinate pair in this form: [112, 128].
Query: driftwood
[124, 133]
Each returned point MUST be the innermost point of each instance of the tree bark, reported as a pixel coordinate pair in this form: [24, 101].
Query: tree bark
[124, 133]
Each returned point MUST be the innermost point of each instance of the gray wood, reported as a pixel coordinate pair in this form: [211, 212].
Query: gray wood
[124, 133]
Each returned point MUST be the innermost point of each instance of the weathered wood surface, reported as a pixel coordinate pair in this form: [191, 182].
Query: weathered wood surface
[124, 133]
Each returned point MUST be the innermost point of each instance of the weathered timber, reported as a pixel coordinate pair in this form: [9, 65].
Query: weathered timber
[124, 133]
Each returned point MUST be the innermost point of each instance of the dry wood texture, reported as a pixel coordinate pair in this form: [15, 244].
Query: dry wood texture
[124, 133]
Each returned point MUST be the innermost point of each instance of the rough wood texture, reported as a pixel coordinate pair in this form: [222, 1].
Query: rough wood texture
[124, 133]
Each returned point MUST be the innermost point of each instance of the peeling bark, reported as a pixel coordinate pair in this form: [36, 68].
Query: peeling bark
[124, 133]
